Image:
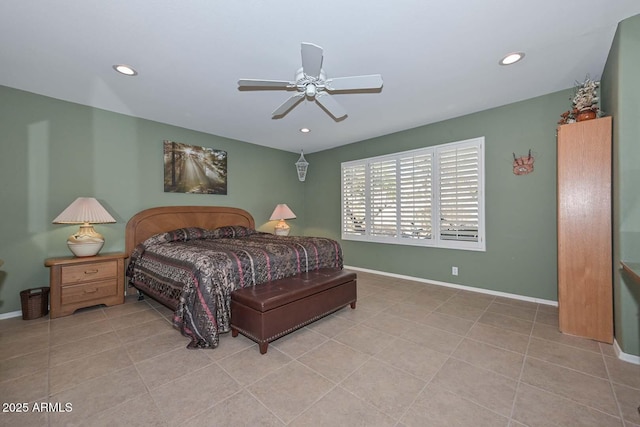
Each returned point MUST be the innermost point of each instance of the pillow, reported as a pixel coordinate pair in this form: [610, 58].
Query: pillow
[231, 232]
[179, 235]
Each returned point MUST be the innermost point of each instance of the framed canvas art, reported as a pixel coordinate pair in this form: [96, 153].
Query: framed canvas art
[193, 169]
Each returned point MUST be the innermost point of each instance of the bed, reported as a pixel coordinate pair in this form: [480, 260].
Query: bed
[190, 258]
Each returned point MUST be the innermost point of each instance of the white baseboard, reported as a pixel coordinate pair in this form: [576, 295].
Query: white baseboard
[456, 286]
[11, 314]
[625, 356]
[619, 353]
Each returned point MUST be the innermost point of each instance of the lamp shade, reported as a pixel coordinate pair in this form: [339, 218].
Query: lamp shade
[282, 211]
[84, 210]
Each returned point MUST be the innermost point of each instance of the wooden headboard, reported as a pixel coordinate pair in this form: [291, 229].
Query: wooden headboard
[152, 221]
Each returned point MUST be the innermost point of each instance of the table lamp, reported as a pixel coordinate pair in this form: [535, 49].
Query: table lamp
[280, 213]
[85, 211]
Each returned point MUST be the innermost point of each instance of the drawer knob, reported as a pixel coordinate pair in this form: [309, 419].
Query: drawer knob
[90, 271]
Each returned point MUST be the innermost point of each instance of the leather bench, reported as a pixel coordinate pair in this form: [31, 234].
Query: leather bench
[268, 311]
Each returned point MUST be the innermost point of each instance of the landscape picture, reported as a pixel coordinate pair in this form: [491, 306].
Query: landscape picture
[193, 169]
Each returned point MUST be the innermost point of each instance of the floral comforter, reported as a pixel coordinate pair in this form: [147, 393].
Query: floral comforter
[194, 271]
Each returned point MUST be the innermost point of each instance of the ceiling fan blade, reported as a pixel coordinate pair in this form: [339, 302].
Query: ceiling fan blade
[331, 105]
[264, 83]
[288, 104]
[311, 59]
[372, 81]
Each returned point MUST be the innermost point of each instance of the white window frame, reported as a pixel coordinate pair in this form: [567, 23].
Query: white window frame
[358, 170]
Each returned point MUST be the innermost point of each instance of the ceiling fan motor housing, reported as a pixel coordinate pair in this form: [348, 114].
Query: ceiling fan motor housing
[310, 85]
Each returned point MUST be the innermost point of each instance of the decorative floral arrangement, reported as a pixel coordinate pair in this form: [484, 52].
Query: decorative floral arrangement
[585, 100]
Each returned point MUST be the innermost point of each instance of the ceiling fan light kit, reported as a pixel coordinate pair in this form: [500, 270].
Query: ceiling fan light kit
[311, 82]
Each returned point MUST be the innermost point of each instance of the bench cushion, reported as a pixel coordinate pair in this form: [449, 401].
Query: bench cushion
[280, 292]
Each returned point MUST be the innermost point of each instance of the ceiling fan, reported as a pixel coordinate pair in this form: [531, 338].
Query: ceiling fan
[311, 82]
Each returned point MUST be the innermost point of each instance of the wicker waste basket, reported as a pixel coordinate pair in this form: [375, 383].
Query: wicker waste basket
[35, 303]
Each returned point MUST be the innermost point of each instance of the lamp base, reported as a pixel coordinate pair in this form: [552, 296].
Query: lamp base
[86, 242]
[85, 249]
[281, 229]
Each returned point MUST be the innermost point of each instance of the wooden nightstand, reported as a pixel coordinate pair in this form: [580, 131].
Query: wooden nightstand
[82, 282]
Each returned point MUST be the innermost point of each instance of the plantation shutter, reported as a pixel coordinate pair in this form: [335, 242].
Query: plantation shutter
[382, 196]
[354, 200]
[459, 188]
[415, 196]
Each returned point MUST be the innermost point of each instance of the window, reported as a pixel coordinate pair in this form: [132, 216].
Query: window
[432, 196]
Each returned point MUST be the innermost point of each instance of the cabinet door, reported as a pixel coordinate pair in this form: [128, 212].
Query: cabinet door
[585, 296]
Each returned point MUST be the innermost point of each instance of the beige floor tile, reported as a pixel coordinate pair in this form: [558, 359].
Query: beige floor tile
[569, 357]
[130, 306]
[431, 296]
[517, 311]
[375, 303]
[126, 320]
[607, 349]
[438, 407]
[433, 338]
[141, 410]
[552, 333]
[364, 339]
[70, 374]
[31, 363]
[412, 358]
[623, 373]
[456, 325]
[27, 388]
[356, 316]
[332, 325]
[200, 389]
[548, 318]
[386, 322]
[341, 408]
[169, 366]
[499, 337]
[334, 360]
[472, 299]
[261, 364]
[436, 291]
[141, 331]
[24, 330]
[396, 295]
[460, 310]
[387, 388]
[241, 409]
[229, 345]
[19, 322]
[629, 400]
[97, 395]
[82, 348]
[22, 346]
[506, 322]
[78, 332]
[413, 311]
[504, 362]
[25, 419]
[488, 389]
[535, 407]
[581, 388]
[290, 390]
[80, 317]
[298, 342]
[156, 345]
[525, 305]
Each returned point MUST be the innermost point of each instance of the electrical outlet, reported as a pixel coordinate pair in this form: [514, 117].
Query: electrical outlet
[454, 271]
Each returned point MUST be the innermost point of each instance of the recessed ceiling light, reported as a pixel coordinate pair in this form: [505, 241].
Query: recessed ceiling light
[512, 58]
[305, 130]
[125, 69]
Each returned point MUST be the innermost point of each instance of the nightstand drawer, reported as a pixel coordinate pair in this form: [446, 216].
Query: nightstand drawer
[89, 272]
[88, 291]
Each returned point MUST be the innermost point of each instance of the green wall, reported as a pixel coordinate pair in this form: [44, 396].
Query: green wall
[621, 98]
[53, 151]
[520, 210]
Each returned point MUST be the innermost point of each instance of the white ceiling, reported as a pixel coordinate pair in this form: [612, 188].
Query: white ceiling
[438, 59]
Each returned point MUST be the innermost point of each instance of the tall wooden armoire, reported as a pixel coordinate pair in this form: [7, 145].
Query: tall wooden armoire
[585, 266]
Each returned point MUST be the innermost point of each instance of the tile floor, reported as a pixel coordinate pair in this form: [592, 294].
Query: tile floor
[411, 354]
